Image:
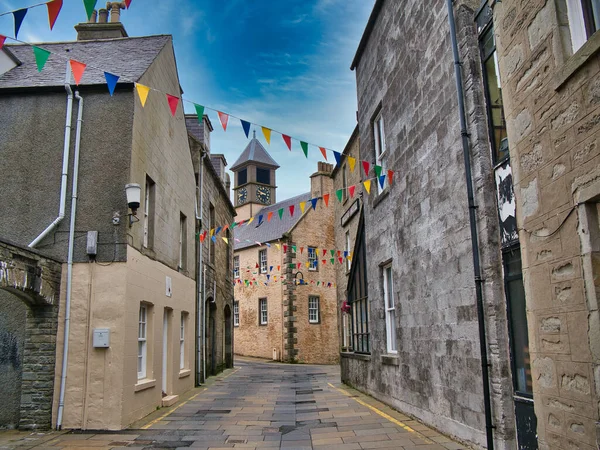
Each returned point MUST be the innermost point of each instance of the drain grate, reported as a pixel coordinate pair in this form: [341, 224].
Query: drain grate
[304, 402]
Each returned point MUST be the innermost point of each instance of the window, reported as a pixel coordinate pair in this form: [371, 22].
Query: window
[262, 258]
[313, 309]
[358, 295]
[182, 241]
[390, 309]
[236, 267]
[584, 20]
[236, 314]
[211, 226]
[493, 95]
[380, 149]
[142, 344]
[313, 259]
[262, 311]
[345, 183]
[182, 341]
[149, 193]
[347, 249]
[263, 175]
[242, 177]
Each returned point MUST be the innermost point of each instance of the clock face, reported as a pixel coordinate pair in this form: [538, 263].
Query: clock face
[263, 194]
[242, 195]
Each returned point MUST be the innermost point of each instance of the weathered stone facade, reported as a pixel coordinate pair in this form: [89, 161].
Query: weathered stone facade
[552, 106]
[419, 226]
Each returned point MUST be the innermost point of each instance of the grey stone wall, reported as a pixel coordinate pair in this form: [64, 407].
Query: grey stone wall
[421, 225]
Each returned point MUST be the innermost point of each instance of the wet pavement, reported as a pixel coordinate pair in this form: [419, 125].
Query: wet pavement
[259, 405]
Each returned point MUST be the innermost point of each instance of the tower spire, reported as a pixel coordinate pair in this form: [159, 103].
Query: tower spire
[254, 133]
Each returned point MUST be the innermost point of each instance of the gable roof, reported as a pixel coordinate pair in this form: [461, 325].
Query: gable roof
[255, 152]
[266, 231]
[367, 33]
[129, 58]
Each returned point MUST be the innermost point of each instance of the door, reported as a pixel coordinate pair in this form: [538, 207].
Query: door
[165, 352]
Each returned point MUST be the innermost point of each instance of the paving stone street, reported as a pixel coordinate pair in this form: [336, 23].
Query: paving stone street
[259, 405]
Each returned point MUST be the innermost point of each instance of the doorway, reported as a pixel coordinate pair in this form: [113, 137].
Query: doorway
[165, 351]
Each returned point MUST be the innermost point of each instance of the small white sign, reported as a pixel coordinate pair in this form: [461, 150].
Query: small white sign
[169, 289]
[101, 338]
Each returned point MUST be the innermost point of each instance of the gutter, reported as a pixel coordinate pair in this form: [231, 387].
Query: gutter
[474, 236]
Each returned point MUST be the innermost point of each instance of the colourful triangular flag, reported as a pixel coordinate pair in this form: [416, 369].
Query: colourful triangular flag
[301, 250]
[351, 191]
[199, 112]
[269, 216]
[381, 180]
[173, 102]
[314, 203]
[19, 16]
[332, 252]
[351, 163]
[292, 210]
[246, 127]
[367, 184]
[41, 56]
[339, 193]
[250, 220]
[280, 213]
[260, 219]
[304, 146]
[324, 252]
[285, 248]
[378, 170]
[332, 261]
[323, 152]
[225, 239]
[89, 7]
[288, 141]
[337, 157]
[54, 7]
[77, 68]
[2, 39]
[366, 167]
[302, 206]
[111, 82]
[214, 239]
[390, 175]
[267, 133]
[223, 118]
[326, 199]
[127, 3]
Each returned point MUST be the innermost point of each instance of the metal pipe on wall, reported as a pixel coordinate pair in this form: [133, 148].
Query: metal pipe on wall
[473, 225]
[199, 279]
[63, 377]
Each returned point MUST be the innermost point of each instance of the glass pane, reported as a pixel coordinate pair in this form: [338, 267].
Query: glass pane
[520, 340]
[392, 314]
[596, 14]
[495, 107]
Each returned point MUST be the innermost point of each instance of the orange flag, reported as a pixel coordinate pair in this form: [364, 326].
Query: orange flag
[77, 68]
[323, 152]
[269, 216]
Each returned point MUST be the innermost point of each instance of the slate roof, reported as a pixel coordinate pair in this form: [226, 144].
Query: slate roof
[273, 230]
[129, 58]
[255, 152]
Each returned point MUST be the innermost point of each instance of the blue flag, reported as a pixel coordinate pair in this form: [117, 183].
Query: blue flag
[381, 180]
[111, 81]
[314, 202]
[19, 16]
[246, 127]
[337, 157]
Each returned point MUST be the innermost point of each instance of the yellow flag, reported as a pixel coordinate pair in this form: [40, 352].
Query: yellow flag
[212, 231]
[367, 184]
[250, 220]
[226, 240]
[307, 264]
[142, 92]
[351, 163]
[267, 132]
[277, 245]
[302, 205]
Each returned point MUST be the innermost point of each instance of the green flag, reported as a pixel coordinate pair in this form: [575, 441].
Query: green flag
[304, 146]
[89, 7]
[378, 171]
[332, 252]
[41, 56]
[280, 213]
[339, 194]
[199, 112]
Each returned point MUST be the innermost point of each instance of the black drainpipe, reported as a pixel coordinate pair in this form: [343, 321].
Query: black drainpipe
[473, 223]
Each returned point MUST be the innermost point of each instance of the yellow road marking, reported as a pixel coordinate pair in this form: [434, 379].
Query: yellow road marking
[158, 419]
[381, 413]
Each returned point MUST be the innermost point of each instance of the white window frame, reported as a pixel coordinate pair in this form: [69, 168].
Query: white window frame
[263, 311]
[390, 309]
[182, 241]
[314, 309]
[380, 148]
[348, 261]
[576, 24]
[236, 267]
[313, 261]
[262, 258]
[142, 341]
[182, 341]
[236, 313]
[147, 205]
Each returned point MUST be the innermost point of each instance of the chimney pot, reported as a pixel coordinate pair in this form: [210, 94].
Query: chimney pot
[115, 10]
[102, 15]
[93, 17]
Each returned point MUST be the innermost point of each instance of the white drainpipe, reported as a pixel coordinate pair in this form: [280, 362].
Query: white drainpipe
[200, 377]
[63, 378]
[65, 166]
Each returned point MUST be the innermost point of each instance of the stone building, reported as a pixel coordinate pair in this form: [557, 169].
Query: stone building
[550, 69]
[285, 302]
[346, 173]
[128, 276]
[435, 288]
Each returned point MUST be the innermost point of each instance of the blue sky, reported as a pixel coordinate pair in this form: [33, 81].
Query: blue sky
[283, 64]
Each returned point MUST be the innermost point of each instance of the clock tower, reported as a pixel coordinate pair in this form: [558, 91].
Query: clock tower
[254, 180]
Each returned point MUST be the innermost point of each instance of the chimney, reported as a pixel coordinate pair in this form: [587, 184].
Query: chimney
[321, 181]
[103, 29]
[94, 16]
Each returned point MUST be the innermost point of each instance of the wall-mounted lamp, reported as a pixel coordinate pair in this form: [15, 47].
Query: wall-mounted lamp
[299, 281]
[133, 192]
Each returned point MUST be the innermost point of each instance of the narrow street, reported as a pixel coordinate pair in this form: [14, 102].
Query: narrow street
[264, 405]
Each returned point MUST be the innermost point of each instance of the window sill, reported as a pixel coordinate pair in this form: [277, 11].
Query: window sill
[383, 194]
[185, 373]
[144, 384]
[577, 60]
[390, 360]
[359, 356]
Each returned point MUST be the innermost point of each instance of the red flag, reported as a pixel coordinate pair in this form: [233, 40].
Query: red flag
[127, 3]
[390, 175]
[340, 260]
[351, 191]
[301, 250]
[324, 261]
[326, 199]
[323, 152]
[324, 251]
[366, 167]
[54, 7]
[256, 266]
[173, 102]
[278, 267]
[2, 39]
[77, 68]
[299, 265]
[291, 210]
[223, 118]
[288, 141]
[285, 249]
